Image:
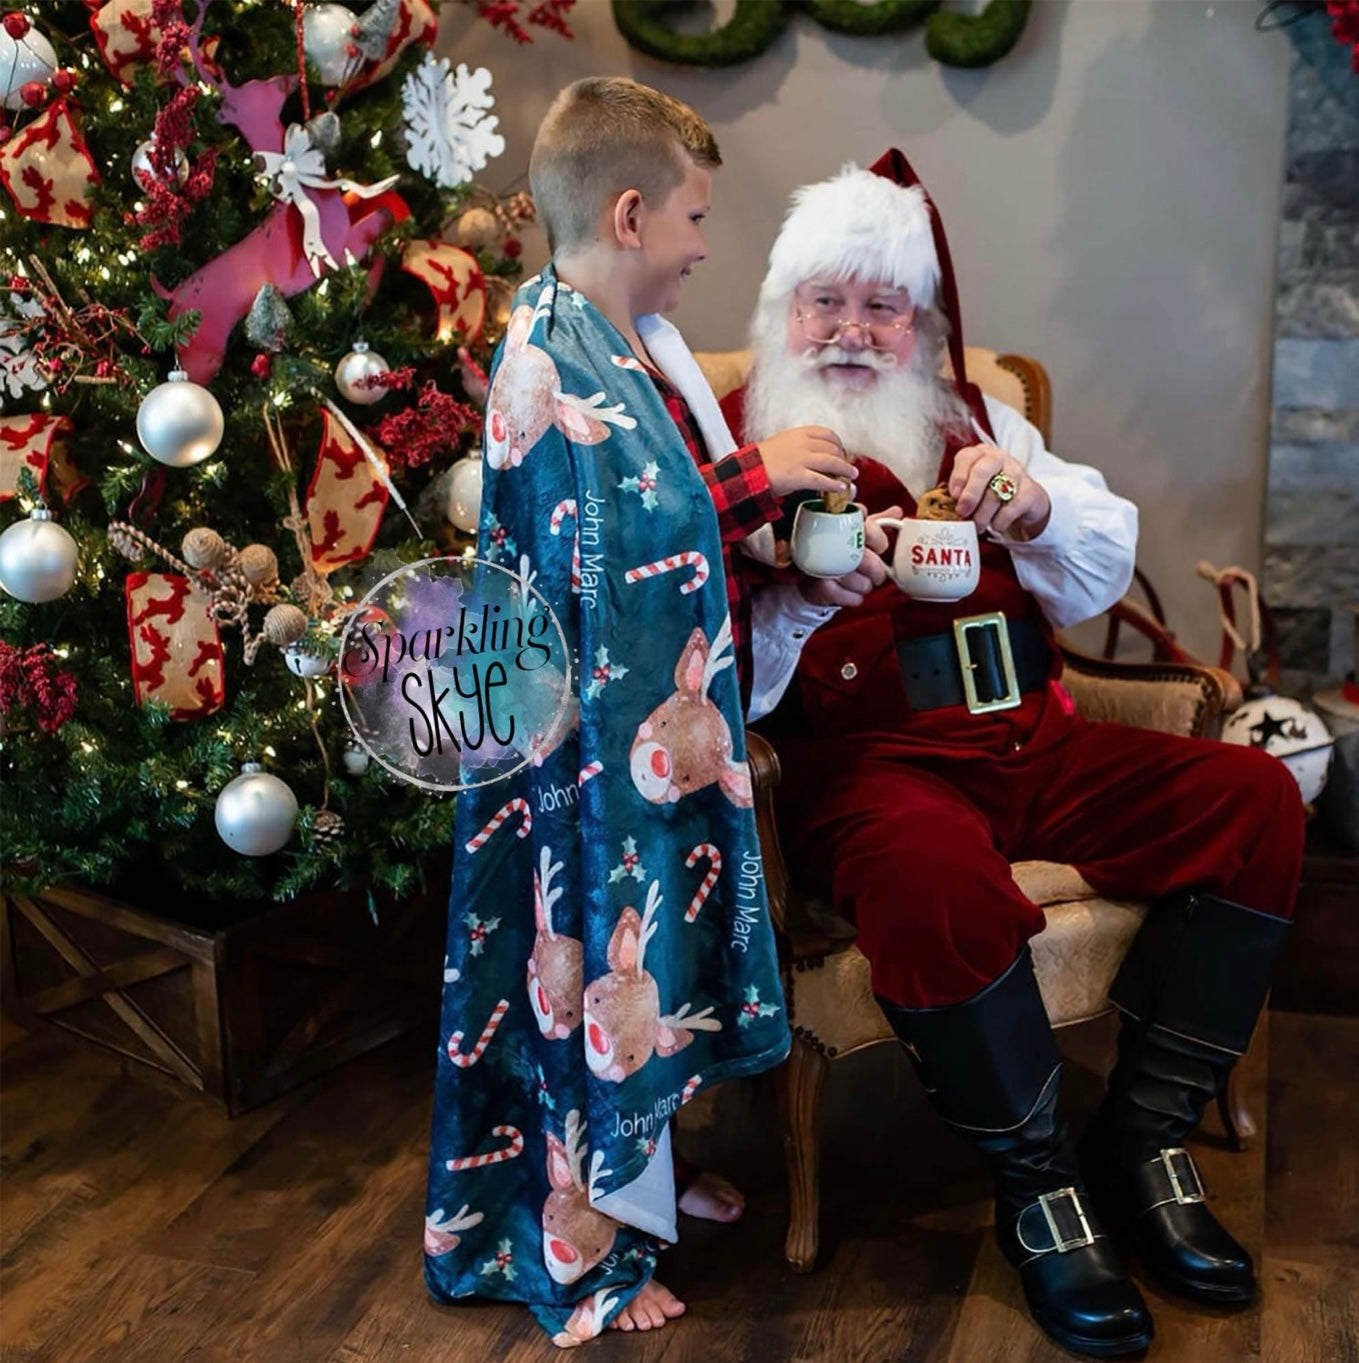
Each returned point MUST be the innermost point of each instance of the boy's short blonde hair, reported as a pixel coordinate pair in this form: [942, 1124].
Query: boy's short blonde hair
[604, 135]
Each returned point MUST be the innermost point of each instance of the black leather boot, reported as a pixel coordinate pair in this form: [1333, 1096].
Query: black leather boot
[1190, 991]
[992, 1071]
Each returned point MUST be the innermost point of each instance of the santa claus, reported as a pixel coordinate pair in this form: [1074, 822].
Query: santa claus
[906, 796]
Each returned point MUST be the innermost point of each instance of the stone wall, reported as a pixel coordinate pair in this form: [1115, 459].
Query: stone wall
[1311, 562]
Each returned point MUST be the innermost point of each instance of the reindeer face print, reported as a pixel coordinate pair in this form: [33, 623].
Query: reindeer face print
[526, 398]
[685, 744]
[554, 986]
[624, 1026]
[555, 970]
[521, 404]
[622, 1008]
[575, 1236]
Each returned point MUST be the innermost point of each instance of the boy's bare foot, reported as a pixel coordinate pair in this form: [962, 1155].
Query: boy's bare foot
[649, 1309]
[712, 1198]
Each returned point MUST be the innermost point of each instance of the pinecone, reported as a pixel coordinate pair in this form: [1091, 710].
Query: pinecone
[327, 829]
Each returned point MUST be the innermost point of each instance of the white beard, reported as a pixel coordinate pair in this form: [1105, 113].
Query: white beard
[901, 419]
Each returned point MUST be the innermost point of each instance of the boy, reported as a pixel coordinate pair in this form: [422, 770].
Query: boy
[598, 413]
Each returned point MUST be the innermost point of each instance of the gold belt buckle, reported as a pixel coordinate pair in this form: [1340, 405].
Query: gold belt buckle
[1011, 698]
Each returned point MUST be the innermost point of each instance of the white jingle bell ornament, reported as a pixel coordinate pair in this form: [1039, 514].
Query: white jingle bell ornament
[464, 494]
[1288, 730]
[144, 171]
[353, 372]
[328, 41]
[302, 662]
[179, 422]
[255, 812]
[37, 559]
[355, 758]
[26, 58]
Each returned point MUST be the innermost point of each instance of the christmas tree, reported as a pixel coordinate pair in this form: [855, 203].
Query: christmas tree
[277, 201]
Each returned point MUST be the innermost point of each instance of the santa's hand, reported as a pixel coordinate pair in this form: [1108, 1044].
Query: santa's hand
[807, 458]
[849, 590]
[1023, 516]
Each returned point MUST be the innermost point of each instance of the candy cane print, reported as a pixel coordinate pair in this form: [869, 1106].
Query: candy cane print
[690, 1089]
[484, 1040]
[690, 558]
[515, 806]
[589, 772]
[564, 508]
[704, 849]
[511, 1151]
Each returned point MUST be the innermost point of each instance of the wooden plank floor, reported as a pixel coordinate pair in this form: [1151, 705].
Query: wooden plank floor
[139, 1226]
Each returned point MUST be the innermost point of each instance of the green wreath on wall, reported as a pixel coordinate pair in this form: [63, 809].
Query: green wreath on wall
[951, 38]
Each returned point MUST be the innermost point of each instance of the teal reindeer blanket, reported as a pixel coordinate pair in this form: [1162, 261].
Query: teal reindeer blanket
[609, 945]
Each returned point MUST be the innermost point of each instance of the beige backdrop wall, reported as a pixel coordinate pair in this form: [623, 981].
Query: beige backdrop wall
[1111, 194]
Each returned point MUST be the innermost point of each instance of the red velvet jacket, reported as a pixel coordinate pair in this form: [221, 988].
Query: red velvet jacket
[849, 680]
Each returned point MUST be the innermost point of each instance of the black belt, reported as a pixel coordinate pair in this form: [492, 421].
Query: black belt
[985, 662]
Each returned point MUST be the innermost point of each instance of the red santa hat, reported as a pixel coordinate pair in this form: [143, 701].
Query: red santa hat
[859, 222]
[875, 224]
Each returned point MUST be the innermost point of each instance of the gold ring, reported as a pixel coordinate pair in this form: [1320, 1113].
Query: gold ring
[1004, 486]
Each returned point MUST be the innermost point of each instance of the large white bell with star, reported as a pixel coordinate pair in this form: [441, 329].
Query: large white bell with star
[1288, 730]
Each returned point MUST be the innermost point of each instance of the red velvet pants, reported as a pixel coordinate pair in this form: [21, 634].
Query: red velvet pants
[916, 850]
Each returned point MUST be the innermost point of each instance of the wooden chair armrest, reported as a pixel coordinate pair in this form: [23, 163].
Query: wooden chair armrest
[1219, 691]
[804, 928]
[764, 776]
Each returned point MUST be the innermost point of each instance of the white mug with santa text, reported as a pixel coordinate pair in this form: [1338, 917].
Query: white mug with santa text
[934, 560]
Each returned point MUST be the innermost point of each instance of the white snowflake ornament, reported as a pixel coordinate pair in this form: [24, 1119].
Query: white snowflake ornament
[449, 133]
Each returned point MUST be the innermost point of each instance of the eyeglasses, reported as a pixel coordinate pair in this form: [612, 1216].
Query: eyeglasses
[824, 322]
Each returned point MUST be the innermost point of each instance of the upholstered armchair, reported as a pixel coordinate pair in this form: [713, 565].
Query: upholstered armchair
[830, 1000]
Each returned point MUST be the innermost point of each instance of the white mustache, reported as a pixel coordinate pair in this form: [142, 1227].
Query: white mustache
[818, 357]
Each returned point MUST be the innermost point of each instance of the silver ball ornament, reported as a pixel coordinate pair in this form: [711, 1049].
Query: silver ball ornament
[255, 812]
[37, 559]
[355, 759]
[359, 365]
[179, 422]
[464, 494]
[144, 172]
[327, 36]
[24, 61]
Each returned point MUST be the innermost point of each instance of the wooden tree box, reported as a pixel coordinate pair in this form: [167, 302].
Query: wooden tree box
[241, 1012]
